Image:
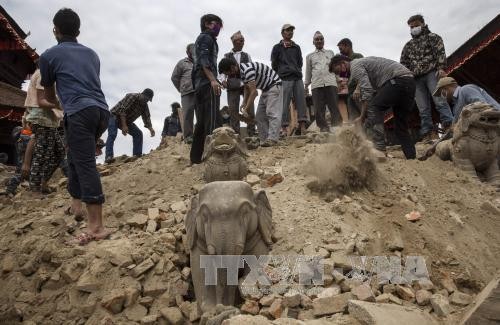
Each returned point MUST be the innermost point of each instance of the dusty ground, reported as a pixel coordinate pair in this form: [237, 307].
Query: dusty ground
[47, 281]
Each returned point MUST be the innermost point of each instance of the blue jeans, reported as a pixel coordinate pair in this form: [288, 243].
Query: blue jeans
[425, 86]
[133, 130]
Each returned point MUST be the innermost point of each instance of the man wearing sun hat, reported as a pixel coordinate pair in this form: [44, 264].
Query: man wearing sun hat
[286, 60]
[460, 96]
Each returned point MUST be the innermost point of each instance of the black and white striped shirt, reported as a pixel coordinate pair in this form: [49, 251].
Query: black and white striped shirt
[264, 76]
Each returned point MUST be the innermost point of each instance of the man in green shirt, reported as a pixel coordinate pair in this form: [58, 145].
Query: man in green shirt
[345, 48]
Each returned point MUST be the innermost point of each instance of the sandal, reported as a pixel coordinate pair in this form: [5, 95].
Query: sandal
[82, 239]
[78, 217]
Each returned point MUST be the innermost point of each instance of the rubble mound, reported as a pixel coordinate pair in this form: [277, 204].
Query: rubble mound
[344, 165]
[141, 274]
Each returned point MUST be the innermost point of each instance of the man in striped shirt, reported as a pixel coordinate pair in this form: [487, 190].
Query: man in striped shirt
[255, 76]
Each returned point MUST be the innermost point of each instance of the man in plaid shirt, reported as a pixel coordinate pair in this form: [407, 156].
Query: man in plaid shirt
[123, 115]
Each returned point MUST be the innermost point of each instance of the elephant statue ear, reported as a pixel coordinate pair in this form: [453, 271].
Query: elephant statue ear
[265, 215]
[191, 222]
[208, 148]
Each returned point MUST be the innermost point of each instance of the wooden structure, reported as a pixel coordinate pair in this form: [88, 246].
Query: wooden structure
[17, 63]
[478, 59]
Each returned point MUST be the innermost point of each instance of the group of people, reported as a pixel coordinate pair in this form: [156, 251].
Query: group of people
[65, 130]
[353, 88]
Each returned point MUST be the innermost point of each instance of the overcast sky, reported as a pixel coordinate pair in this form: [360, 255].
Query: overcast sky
[139, 42]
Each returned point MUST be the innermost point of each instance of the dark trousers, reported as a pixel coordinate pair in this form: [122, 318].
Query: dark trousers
[322, 97]
[233, 101]
[14, 181]
[47, 155]
[133, 130]
[82, 130]
[293, 89]
[207, 119]
[398, 93]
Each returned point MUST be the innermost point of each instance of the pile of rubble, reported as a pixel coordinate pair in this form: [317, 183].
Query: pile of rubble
[141, 275]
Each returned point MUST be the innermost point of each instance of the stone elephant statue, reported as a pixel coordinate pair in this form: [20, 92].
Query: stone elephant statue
[226, 218]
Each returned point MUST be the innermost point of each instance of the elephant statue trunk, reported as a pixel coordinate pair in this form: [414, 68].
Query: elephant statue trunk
[226, 218]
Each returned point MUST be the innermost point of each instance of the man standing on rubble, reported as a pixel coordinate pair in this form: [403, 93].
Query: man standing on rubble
[74, 70]
[123, 115]
[181, 78]
[323, 84]
[207, 87]
[234, 85]
[425, 56]
[286, 60]
[383, 84]
[49, 150]
[346, 101]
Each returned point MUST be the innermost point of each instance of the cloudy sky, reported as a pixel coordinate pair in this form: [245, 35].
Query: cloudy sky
[139, 42]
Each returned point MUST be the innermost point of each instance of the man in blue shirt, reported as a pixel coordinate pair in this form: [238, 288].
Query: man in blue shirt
[74, 69]
[460, 96]
[206, 86]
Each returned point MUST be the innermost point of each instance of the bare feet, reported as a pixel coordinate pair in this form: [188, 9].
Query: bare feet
[79, 215]
[100, 234]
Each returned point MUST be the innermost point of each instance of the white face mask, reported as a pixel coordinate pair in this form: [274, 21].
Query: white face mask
[415, 31]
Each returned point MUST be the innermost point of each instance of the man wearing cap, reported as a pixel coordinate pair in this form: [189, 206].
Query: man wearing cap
[323, 83]
[460, 96]
[286, 60]
[234, 84]
[383, 84]
[425, 56]
[123, 115]
[181, 78]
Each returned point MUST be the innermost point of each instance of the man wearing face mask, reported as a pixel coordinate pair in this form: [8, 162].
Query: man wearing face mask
[234, 85]
[207, 87]
[323, 83]
[425, 56]
[286, 60]
[460, 96]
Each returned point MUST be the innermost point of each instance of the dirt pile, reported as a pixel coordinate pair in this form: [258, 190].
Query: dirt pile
[141, 274]
[346, 164]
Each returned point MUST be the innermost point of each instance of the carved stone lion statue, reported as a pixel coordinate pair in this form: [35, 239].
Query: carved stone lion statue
[474, 146]
[224, 156]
